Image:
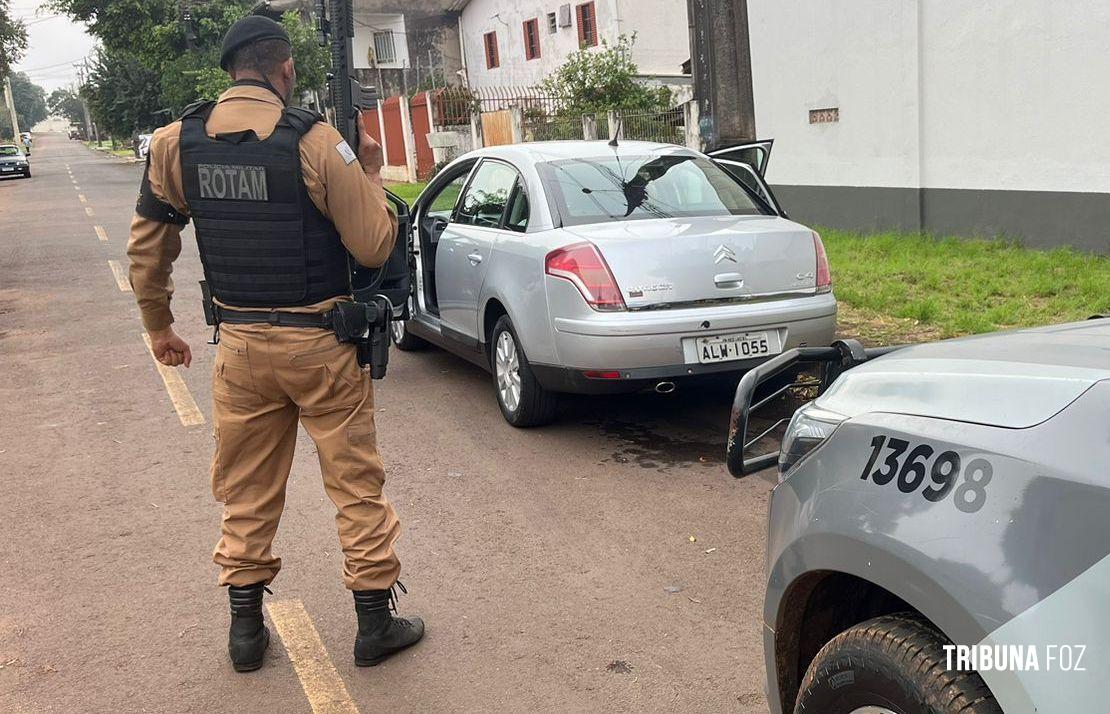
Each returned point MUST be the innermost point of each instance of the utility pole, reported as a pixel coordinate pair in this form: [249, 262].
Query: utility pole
[721, 64]
[90, 128]
[10, 101]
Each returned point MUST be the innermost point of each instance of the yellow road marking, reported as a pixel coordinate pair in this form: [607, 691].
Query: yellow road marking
[183, 402]
[121, 276]
[88, 210]
[321, 682]
[81, 196]
[101, 234]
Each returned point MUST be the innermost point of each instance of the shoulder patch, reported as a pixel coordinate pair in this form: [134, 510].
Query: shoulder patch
[346, 152]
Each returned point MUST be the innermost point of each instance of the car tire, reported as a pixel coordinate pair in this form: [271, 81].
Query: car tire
[523, 401]
[27, 175]
[403, 339]
[894, 663]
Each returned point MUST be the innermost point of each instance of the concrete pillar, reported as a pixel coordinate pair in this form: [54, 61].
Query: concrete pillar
[476, 130]
[720, 58]
[406, 132]
[616, 130]
[516, 120]
[589, 127]
[690, 118]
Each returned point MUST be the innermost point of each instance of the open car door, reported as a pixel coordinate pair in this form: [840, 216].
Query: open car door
[394, 279]
[748, 164]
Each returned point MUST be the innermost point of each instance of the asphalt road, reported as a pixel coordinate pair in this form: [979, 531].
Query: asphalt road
[607, 562]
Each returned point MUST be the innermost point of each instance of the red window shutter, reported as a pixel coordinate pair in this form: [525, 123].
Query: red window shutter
[491, 50]
[531, 39]
[587, 24]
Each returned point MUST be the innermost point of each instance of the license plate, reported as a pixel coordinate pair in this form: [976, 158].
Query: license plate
[6, 169]
[725, 348]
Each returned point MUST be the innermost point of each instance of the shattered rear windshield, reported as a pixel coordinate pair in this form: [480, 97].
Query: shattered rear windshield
[627, 188]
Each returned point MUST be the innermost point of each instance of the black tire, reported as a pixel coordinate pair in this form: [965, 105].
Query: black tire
[896, 662]
[403, 339]
[27, 175]
[536, 406]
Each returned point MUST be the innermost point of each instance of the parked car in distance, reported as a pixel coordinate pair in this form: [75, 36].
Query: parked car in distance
[13, 162]
[582, 266]
[937, 540]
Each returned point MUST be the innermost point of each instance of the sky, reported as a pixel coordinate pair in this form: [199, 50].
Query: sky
[54, 43]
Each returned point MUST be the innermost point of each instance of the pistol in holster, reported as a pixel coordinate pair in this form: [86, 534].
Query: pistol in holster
[211, 317]
[366, 325]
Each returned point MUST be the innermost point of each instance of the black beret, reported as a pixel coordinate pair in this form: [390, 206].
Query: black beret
[251, 29]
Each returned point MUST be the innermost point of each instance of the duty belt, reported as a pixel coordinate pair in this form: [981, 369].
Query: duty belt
[275, 318]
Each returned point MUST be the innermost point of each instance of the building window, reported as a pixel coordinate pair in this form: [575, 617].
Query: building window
[531, 39]
[492, 60]
[384, 50]
[552, 23]
[587, 25]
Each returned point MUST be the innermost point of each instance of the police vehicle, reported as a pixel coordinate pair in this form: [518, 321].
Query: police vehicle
[938, 535]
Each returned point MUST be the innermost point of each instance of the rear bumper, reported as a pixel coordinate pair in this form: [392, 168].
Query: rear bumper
[567, 379]
[648, 347]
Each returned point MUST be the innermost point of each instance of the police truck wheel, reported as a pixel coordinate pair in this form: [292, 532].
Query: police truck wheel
[893, 664]
[522, 400]
[403, 339]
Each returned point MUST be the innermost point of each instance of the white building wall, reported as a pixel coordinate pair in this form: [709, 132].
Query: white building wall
[1016, 95]
[662, 43]
[662, 33]
[366, 24]
[934, 93]
[808, 55]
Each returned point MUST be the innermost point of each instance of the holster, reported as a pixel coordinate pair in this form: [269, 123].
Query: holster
[209, 306]
[351, 321]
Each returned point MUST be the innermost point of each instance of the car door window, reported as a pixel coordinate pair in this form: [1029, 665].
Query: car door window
[747, 176]
[516, 218]
[443, 204]
[485, 199]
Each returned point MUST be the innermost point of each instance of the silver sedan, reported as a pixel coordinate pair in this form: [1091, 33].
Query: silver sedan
[585, 267]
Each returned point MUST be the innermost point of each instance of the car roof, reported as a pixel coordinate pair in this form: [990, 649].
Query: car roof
[541, 151]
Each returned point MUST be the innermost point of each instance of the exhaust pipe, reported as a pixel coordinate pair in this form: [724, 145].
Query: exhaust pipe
[665, 387]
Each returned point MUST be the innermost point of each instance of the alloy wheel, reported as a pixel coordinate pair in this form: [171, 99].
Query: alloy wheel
[507, 370]
[397, 329]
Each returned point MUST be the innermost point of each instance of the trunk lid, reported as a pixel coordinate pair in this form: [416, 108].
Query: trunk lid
[672, 262]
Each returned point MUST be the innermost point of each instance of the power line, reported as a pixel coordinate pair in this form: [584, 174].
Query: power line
[51, 66]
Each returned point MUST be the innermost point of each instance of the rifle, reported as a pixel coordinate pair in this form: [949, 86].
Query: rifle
[387, 286]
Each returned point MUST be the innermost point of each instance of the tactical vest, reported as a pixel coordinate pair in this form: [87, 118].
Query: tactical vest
[263, 242]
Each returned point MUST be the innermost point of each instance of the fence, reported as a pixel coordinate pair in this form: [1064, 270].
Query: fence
[667, 127]
[420, 134]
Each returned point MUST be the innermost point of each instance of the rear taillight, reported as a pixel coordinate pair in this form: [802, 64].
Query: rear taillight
[824, 275]
[583, 265]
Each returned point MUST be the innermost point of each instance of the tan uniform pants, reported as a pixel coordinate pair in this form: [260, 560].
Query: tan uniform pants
[265, 379]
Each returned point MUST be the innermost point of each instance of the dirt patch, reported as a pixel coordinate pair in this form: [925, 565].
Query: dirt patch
[874, 329]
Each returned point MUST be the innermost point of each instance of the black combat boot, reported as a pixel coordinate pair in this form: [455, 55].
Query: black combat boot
[248, 637]
[380, 634]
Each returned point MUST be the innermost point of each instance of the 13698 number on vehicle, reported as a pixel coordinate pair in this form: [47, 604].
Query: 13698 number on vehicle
[911, 466]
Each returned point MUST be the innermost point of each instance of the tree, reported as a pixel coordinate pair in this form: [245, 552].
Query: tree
[66, 103]
[185, 55]
[123, 94]
[30, 104]
[13, 39]
[589, 82]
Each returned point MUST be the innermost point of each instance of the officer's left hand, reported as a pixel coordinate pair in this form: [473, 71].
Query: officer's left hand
[169, 349]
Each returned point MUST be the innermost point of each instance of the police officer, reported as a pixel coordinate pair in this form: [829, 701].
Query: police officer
[278, 200]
